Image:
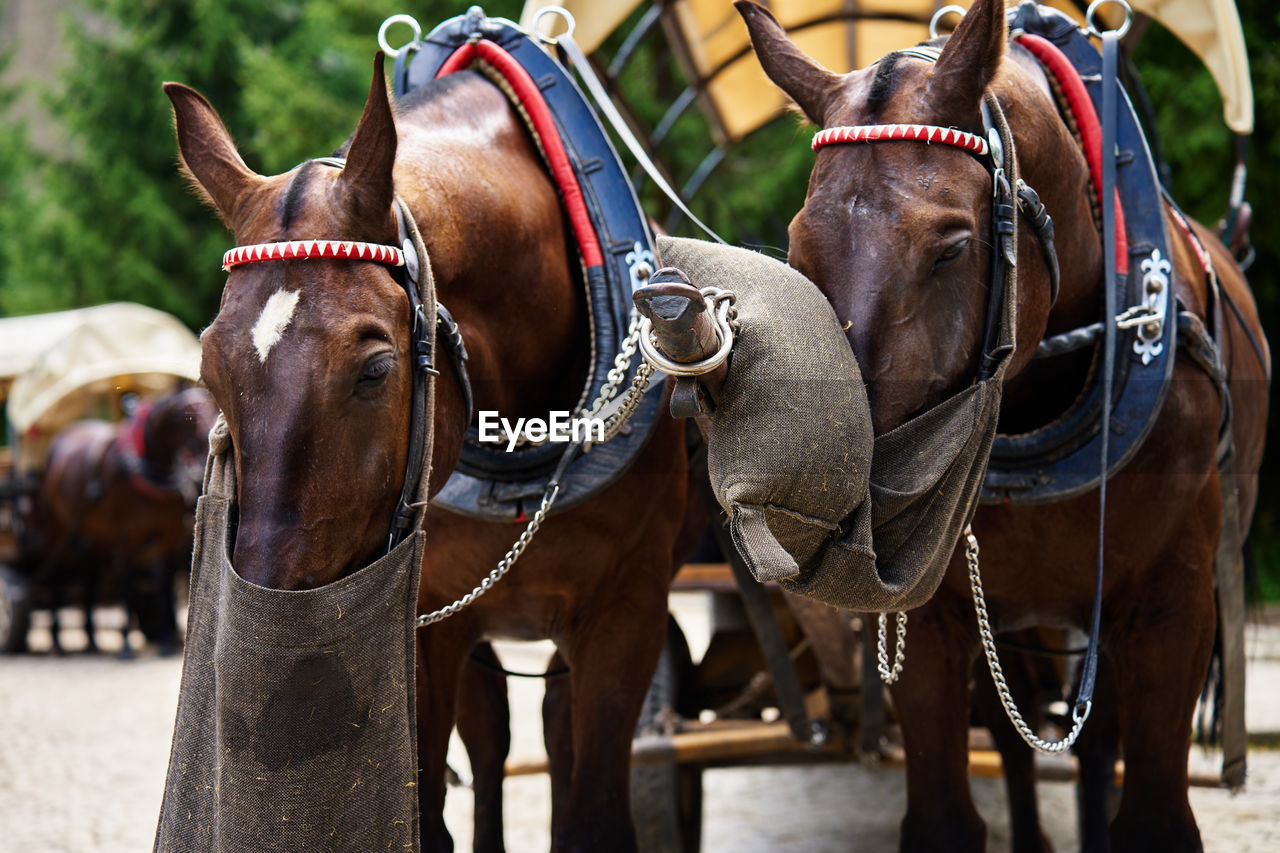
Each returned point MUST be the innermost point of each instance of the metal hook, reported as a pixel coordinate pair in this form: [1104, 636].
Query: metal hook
[1092, 28]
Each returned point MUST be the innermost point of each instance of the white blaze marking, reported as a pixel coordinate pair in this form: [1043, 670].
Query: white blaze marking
[275, 318]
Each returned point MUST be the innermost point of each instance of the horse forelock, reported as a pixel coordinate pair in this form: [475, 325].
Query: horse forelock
[293, 199]
[884, 82]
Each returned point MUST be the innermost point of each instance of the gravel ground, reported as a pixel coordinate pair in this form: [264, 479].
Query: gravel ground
[86, 738]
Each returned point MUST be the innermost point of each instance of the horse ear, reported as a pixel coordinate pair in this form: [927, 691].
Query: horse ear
[372, 153]
[969, 60]
[809, 84]
[209, 156]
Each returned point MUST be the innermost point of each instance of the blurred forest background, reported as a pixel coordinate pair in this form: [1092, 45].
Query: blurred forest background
[92, 208]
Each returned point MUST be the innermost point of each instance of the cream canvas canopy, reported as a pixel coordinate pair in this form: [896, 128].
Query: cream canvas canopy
[59, 366]
[715, 50]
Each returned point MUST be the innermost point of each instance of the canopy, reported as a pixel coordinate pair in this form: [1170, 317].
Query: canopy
[62, 364]
[713, 45]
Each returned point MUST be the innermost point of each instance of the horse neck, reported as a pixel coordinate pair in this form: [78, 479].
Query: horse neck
[492, 224]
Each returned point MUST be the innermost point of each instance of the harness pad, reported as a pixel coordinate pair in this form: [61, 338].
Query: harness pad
[1061, 459]
[614, 245]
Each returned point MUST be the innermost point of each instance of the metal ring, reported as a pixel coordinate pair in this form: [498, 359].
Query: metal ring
[940, 14]
[398, 19]
[677, 368]
[564, 14]
[1097, 4]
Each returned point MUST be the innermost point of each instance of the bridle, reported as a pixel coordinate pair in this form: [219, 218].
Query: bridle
[411, 267]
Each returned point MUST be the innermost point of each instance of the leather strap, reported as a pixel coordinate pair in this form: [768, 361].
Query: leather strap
[1110, 53]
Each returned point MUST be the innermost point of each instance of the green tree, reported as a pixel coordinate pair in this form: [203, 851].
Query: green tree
[117, 221]
[17, 163]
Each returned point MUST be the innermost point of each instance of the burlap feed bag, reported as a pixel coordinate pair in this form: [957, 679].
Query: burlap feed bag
[790, 442]
[296, 724]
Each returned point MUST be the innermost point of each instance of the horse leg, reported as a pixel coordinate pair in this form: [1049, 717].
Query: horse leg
[55, 624]
[1096, 750]
[557, 735]
[1016, 756]
[931, 699]
[612, 659]
[167, 638]
[133, 601]
[484, 724]
[51, 576]
[441, 650]
[836, 646]
[1160, 660]
[90, 626]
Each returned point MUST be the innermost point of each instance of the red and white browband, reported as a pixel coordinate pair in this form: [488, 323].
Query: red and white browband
[911, 132]
[303, 249]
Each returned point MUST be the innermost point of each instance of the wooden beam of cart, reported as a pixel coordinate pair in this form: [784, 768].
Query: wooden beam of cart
[734, 743]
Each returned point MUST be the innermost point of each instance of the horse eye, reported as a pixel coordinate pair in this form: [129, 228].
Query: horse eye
[953, 250]
[375, 371]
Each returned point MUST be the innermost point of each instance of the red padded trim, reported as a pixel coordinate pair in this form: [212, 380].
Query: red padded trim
[545, 127]
[460, 59]
[1081, 106]
[1201, 253]
[912, 132]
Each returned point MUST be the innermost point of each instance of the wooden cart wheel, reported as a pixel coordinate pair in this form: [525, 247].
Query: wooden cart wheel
[15, 611]
[666, 799]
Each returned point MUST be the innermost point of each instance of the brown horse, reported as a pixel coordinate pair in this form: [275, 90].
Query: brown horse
[319, 419]
[898, 236]
[115, 510]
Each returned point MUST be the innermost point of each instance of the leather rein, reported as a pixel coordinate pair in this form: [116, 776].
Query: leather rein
[410, 264]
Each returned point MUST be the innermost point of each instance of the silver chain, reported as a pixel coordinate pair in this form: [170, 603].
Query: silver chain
[887, 675]
[997, 673]
[613, 379]
[621, 364]
[504, 565]
[613, 424]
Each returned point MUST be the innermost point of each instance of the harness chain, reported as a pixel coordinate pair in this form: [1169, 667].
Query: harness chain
[997, 673]
[504, 565]
[613, 425]
[887, 675]
[621, 364]
[616, 414]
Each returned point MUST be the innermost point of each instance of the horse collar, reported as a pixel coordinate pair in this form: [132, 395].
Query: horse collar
[612, 240]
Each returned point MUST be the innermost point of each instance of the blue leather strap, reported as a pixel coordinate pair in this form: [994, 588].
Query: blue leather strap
[1110, 51]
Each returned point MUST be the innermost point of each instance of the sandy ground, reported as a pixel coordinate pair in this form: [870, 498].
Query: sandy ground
[85, 745]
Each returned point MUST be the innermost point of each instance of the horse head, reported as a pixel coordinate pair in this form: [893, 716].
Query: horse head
[309, 360]
[176, 437]
[898, 235]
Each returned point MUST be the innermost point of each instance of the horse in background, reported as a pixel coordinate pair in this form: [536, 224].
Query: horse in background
[334, 375]
[898, 235]
[115, 511]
